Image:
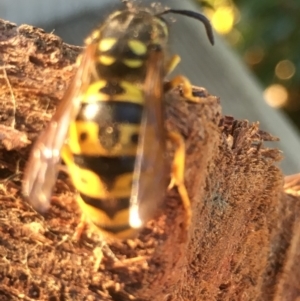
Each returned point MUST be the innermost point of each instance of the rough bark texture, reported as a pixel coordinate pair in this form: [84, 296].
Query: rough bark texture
[243, 243]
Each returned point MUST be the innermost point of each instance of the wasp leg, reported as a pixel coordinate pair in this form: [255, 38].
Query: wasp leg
[80, 228]
[177, 174]
[100, 251]
[98, 254]
[186, 88]
[172, 63]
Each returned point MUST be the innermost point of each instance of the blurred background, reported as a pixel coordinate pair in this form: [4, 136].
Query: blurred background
[266, 34]
[254, 66]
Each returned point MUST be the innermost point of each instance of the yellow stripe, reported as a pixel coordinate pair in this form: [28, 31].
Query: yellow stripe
[89, 183]
[132, 63]
[93, 95]
[106, 44]
[138, 47]
[100, 216]
[91, 145]
[83, 180]
[132, 93]
[126, 234]
[96, 215]
[106, 60]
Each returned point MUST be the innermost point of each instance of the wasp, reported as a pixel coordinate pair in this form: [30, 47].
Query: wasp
[109, 127]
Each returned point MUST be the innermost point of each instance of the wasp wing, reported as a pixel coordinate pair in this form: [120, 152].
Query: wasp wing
[292, 184]
[42, 167]
[149, 180]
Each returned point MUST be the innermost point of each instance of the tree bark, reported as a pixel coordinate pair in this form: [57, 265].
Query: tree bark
[243, 242]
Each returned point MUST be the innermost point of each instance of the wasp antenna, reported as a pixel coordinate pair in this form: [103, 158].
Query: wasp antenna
[197, 16]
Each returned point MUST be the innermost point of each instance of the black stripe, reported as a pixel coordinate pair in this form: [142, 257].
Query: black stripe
[122, 71]
[111, 112]
[110, 206]
[107, 168]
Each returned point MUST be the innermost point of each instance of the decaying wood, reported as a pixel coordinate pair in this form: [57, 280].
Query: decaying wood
[243, 243]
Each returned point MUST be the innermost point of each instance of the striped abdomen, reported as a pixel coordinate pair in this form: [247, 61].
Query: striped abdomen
[101, 152]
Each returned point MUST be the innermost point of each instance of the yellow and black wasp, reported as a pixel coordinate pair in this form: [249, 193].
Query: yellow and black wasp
[109, 127]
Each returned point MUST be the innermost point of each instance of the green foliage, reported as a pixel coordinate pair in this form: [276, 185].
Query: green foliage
[273, 26]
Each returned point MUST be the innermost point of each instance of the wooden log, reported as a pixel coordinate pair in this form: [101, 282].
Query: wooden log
[242, 243]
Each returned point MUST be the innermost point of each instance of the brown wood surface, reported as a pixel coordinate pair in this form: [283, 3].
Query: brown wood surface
[243, 243]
